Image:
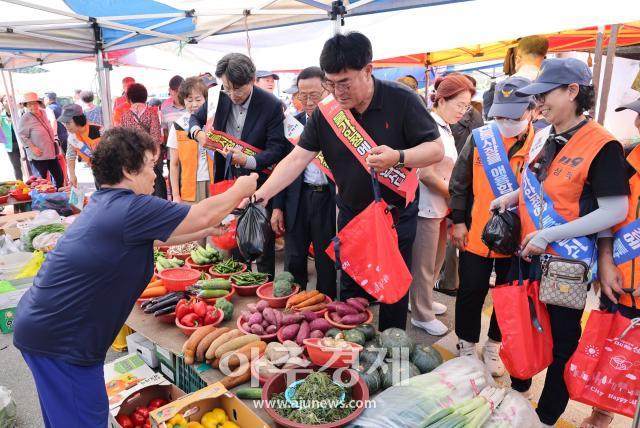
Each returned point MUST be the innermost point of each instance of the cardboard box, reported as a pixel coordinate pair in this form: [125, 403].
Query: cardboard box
[196, 404]
[142, 398]
[10, 294]
[127, 375]
[138, 344]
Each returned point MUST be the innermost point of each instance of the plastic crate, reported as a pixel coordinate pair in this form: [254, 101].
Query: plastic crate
[187, 377]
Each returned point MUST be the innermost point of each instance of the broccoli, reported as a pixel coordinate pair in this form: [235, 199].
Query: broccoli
[282, 288]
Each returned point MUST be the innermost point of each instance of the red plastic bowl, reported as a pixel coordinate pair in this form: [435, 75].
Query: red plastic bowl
[215, 274]
[4, 199]
[347, 326]
[265, 337]
[247, 290]
[279, 382]
[265, 292]
[327, 300]
[19, 196]
[178, 279]
[213, 300]
[195, 266]
[321, 355]
[167, 318]
[188, 331]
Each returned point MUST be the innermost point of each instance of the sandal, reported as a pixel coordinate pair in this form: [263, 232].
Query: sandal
[599, 419]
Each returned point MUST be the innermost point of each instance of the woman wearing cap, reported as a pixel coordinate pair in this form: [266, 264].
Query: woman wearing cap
[38, 139]
[493, 154]
[83, 138]
[451, 100]
[580, 168]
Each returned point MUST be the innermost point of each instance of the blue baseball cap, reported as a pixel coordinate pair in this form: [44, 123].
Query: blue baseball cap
[265, 73]
[556, 72]
[506, 103]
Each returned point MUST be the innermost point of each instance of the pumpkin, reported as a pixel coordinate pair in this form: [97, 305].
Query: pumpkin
[395, 338]
[332, 332]
[397, 371]
[371, 357]
[371, 378]
[426, 358]
[368, 330]
[354, 336]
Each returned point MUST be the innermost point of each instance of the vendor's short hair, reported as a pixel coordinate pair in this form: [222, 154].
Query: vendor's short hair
[310, 73]
[237, 68]
[79, 120]
[137, 93]
[346, 51]
[533, 45]
[120, 149]
[585, 100]
[86, 96]
[175, 82]
[190, 85]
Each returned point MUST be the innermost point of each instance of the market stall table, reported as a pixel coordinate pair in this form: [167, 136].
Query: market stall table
[169, 337]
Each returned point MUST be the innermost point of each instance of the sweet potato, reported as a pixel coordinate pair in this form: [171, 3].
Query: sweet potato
[289, 332]
[292, 319]
[343, 309]
[356, 304]
[257, 329]
[269, 315]
[252, 308]
[354, 319]
[334, 317]
[271, 329]
[264, 323]
[316, 334]
[320, 324]
[262, 305]
[245, 316]
[303, 333]
[363, 301]
[256, 318]
[246, 327]
[279, 317]
[333, 306]
[308, 314]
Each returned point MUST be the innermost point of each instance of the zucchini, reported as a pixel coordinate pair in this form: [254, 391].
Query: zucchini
[211, 294]
[215, 284]
[249, 393]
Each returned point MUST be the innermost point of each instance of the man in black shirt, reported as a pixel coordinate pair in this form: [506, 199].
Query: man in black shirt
[399, 123]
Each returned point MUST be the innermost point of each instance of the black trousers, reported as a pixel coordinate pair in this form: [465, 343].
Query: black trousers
[160, 185]
[14, 157]
[267, 262]
[315, 223]
[393, 315]
[51, 166]
[475, 273]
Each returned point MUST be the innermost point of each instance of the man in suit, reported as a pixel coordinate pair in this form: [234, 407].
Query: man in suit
[252, 115]
[306, 210]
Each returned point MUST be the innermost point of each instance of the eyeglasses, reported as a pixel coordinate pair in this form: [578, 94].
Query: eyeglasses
[539, 98]
[333, 86]
[314, 97]
[233, 91]
[462, 107]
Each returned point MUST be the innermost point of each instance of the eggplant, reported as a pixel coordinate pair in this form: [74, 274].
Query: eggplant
[163, 304]
[164, 311]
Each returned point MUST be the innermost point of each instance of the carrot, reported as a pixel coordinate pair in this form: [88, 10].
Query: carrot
[314, 308]
[301, 297]
[296, 297]
[156, 283]
[153, 292]
[318, 298]
[237, 377]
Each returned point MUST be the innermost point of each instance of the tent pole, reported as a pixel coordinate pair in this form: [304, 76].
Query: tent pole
[608, 70]
[597, 67]
[105, 88]
[13, 109]
[338, 10]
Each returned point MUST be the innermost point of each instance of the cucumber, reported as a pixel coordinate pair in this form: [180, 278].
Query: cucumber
[210, 294]
[249, 393]
[215, 284]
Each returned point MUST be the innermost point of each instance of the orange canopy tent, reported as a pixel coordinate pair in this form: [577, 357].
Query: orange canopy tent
[572, 40]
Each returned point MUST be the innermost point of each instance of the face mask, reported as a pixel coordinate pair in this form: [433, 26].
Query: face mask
[510, 128]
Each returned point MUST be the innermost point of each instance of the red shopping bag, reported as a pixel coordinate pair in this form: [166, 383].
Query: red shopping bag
[605, 369]
[527, 344]
[367, 250]
[228, 240]
[224, 185]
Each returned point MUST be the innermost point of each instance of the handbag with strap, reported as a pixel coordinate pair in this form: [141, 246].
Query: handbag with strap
[565, 282]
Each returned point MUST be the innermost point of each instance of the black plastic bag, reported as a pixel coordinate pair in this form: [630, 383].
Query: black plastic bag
[502, 232]
[252, 231]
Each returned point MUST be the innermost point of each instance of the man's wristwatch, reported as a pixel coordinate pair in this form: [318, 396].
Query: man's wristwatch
[400, 163]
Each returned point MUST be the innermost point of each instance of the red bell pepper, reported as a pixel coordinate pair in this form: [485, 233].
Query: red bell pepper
[191, 320]
[184, 307]
[143, 411]
[157, 402]
[138, 419]
[200, 309]
[212, 315]
[124, 421]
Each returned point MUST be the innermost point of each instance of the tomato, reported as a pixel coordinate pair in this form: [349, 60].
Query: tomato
[138, 419]
[157, 402]
[124, 421]
[143, 411]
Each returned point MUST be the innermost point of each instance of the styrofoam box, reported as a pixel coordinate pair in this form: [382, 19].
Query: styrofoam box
[138, 344]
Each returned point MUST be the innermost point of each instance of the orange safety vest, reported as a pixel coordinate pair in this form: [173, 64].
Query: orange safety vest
[188, 155]
[483, 194]
[568, 174]
[90, 135]
[628, 268]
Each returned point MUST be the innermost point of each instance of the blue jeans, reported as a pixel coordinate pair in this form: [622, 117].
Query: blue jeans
[70, 395]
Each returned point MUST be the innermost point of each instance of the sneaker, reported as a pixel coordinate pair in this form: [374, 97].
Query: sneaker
[438, 308]
[491, 358]
[466, 349]
[409, 307]
[434, 327]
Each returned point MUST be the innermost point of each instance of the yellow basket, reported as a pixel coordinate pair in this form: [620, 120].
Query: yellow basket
[120, 344]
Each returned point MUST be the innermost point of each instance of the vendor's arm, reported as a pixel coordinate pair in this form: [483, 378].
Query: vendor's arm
[276, 145]
[197, 122]
[196, 236]
[609, 276]
[287, 170]
[71, 156]
[174, 163]
[461, 183]
[436, 177]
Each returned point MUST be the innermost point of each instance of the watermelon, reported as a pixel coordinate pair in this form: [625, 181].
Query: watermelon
[354, 336]
[395, 338]
[371, 378]
[332, 332]
[368, 330]
[371, 357]
[397, 371]
[426, 358]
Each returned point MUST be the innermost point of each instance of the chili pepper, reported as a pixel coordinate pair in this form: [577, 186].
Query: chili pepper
[191, 320]
[212, 315]
[200, 309]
